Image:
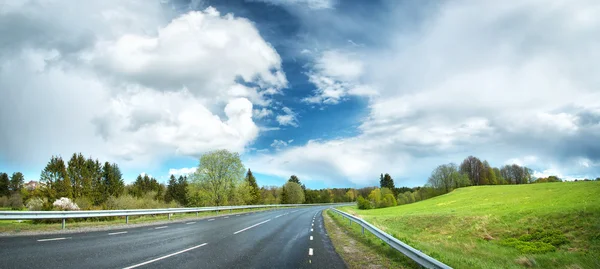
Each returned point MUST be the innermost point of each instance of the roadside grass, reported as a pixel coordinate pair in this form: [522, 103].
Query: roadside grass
[362, 251]
[14, 227]
[483, 226]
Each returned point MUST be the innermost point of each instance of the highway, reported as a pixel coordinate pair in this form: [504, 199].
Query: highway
[283, 238]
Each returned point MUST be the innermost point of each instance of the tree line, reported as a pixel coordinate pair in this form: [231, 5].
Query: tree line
[221, 179]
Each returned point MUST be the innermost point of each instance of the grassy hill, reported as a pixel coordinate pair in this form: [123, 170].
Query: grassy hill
[549, 225]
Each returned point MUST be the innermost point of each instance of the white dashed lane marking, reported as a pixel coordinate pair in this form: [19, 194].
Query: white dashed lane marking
[53, 239]
[124, 232]
[252, 226]
[311, 238]
[211, 219]
[190, 222]
[310, 252]
[164, 257]
[161, 227]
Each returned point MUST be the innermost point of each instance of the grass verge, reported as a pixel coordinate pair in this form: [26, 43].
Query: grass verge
[13, 227]
[549, 225]
[362, 251]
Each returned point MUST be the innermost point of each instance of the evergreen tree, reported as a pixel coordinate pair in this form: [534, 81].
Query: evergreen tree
[294, 179]
[4, 184]
[254, 191]
[284, 199]
[181, 191]
[16, 181]
[77, 171]
[56, 180]
[171, 189]
[387, 182]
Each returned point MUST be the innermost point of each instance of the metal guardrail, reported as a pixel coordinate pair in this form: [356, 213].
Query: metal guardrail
[417, 256]
[64, 215]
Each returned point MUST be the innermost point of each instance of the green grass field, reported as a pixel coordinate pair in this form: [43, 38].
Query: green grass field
[502, 226]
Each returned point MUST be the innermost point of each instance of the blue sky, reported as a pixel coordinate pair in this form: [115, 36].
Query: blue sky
[335, 92]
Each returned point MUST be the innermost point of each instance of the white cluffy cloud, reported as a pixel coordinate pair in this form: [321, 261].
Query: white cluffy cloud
[132, 82]
[287, 119]
[336, 75]
[312, 4]
[498, 80]
[182, 171]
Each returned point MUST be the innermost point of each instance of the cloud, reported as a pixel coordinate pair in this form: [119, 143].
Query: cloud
[279, 144]
[336, 74]
[143, 85]
[498, 80]
[287, 119]
[182, 171]
[312, 4]
[262, 113]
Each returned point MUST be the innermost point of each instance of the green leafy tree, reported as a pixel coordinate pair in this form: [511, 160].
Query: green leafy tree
[16, 182]
[293, 193]
[254, 191]
[283, 196]
[4, 184]
[218, 174]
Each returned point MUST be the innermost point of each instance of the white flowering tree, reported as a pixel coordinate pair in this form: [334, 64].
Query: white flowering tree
[65, 203]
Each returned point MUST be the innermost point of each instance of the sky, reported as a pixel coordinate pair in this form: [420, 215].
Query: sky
[335, 92]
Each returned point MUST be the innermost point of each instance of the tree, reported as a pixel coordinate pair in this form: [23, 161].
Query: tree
[473, 168]
[56, 180]
[254, 191]
[218, 174]
[112, 180]
[294, 179]
[4, 184]
[16, 181]
[387, 182]
[170, 193]
[293, 193]
[77, 171]
[445, 177]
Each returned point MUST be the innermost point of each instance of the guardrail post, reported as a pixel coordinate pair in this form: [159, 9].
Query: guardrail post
[126, 219]
[350, 221]
[170, 216]
[363, 230]
[64, 223]
[196, 213]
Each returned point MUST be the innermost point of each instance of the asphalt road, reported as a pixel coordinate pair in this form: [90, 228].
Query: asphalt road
[284, 238]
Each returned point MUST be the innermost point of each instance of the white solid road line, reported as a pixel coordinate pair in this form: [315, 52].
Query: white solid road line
[310, 252]
[164, 257]
[117, 233]
[311, 238]
[211, 219]
[161, 227]
[53, 239]
[252, 226]
[191, 222]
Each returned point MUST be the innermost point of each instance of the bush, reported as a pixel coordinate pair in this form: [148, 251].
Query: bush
[363, 203]
[3, 201]
[15, 202]
[65, 203]
[388, 200]
[35, 204]
[130, 202]
[84, 203]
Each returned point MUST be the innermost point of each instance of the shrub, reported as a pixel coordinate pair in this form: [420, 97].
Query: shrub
[35, 204]
[363, 203]
[388, 200]
[84, 203]
[65, 203]
[130, 202]
[3, 201]
[15, 202]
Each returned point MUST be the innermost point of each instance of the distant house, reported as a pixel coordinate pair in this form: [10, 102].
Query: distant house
[31, 185]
